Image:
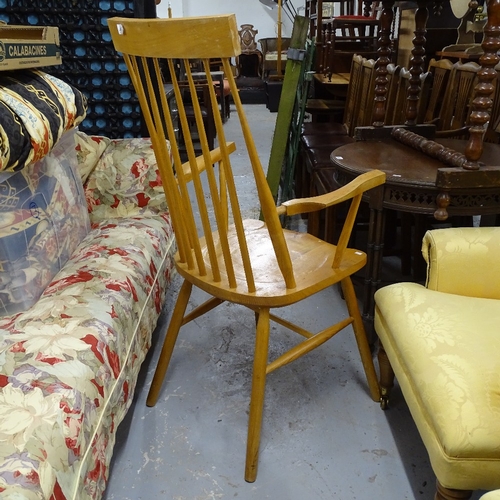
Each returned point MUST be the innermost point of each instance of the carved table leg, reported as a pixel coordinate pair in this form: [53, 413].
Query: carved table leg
[374, 252]
[443, 493]
[386, 377]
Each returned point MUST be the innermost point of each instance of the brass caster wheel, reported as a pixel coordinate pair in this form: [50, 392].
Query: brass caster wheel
[384, 403]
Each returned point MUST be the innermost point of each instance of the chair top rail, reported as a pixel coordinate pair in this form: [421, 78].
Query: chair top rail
[168, 32]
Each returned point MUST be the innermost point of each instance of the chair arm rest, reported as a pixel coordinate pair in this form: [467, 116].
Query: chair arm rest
[356, 187]
[457, 132]
[463, 261]
[215, 156]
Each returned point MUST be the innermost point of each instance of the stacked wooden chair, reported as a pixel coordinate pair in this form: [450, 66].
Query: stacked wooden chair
[318, 140]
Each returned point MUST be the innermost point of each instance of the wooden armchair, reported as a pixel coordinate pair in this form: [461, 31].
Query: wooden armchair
[269, 48]
[249, 62]
[254, 263]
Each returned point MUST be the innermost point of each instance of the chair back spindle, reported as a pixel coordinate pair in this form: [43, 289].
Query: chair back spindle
[208, 195]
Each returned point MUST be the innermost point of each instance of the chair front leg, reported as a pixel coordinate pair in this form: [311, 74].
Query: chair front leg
[257, 395]
[169, 342]
[386, 377]
[361, 340]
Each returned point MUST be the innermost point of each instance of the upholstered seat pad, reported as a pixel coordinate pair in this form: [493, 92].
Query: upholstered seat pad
[448, 366]
[273, 56]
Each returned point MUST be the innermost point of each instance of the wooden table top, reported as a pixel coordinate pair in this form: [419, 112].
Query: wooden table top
[402, 164]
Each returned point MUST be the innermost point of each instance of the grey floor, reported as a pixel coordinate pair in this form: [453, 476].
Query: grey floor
[322, 436]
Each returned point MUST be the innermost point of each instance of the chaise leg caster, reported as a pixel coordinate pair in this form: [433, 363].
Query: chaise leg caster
[386, 378]
[384, 398]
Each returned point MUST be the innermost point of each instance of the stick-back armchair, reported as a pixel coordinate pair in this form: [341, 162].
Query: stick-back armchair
[254, 263]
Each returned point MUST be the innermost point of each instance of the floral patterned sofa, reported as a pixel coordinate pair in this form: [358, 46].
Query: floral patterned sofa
[69, 363]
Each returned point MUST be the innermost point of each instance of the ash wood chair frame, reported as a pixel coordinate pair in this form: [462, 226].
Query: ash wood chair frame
[254, 263]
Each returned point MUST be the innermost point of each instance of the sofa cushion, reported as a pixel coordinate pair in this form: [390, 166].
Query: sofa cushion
[35, 110]
[125, 182]
[68, 366]
[447, 363]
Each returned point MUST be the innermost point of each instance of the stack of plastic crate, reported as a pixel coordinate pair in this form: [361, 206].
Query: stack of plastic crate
[90, 61]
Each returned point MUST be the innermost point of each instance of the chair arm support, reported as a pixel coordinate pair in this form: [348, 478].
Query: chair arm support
[356, 187]
[463, 261]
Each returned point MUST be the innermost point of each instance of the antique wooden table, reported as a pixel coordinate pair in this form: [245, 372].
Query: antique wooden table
[410, 187]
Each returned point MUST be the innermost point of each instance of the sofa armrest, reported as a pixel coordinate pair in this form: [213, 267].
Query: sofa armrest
[463, 261]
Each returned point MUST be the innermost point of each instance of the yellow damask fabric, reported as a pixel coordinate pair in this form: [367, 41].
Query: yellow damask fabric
[445, 352]
[491, 495]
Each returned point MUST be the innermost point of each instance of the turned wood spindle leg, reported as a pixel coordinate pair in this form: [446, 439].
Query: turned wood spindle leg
[417, 62]
[484, 89]
[384, 54]
[442, 202]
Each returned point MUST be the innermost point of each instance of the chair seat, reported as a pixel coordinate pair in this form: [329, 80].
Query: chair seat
[448, 367]
[273, 56]
[311, 257]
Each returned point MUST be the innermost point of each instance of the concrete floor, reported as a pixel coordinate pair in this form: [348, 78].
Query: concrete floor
[322, 436]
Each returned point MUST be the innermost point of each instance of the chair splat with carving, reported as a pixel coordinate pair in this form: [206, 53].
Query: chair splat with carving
[253, 263]
[252, 56]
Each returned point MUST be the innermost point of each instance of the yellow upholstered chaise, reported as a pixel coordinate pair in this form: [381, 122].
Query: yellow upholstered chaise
[442, 342]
